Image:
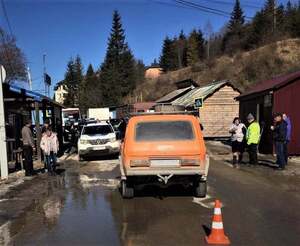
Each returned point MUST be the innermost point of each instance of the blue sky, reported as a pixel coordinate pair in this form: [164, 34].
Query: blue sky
[64, 28]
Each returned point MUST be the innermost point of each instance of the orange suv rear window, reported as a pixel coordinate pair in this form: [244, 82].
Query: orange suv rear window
[164, 131]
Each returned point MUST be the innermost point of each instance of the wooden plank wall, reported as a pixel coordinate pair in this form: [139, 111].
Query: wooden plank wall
[219, 111]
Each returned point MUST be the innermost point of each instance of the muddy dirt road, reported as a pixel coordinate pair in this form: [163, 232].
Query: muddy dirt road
[83, 206]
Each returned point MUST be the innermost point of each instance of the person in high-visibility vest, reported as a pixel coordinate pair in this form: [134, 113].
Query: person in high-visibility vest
[252, 137]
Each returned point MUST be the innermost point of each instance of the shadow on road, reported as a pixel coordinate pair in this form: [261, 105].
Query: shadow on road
[206, 229]
[161, 193]
[102, 158]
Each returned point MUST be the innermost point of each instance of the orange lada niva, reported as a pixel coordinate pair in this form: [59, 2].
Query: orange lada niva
[163, 149]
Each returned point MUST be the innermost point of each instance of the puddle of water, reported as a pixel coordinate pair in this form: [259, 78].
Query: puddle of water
[67, 218]
[87, 209]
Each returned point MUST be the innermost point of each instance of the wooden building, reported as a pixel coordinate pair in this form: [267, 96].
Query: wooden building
[279, 94]
[219, 108]
[140, 107]
[153, 72]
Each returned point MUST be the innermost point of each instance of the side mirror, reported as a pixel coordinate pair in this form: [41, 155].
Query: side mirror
[201, 127]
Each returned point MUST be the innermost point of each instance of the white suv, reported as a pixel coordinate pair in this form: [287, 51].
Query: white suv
[98, 139]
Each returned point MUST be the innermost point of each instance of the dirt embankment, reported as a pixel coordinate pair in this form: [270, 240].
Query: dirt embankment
[243, 69]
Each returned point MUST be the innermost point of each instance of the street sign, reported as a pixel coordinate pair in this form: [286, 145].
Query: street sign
[199, 102]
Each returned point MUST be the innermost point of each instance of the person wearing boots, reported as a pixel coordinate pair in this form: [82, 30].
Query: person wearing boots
[238, 131]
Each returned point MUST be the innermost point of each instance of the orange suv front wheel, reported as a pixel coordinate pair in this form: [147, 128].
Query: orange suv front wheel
[126, 190]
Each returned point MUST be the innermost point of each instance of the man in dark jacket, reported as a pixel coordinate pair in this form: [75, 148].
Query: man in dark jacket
[288, 136]
[280, 133]
[28, 148]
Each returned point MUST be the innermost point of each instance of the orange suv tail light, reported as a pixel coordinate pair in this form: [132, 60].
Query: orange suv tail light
[139, 163]
[190, 162]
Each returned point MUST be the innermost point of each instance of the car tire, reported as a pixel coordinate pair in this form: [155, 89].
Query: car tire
[201, 189]
[81, 158]
[127, 192]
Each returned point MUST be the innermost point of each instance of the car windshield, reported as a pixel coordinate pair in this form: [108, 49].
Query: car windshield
[93, 130]
[164, 131]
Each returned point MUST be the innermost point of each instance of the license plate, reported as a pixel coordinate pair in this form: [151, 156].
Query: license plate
[165, 163]
[99, 148]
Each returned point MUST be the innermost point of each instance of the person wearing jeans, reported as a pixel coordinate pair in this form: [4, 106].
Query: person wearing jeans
[50, 146]
[288, 136]
[280, 133]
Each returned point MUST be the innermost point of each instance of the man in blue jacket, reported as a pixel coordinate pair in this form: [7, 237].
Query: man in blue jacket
[288, 136]
[279, 134]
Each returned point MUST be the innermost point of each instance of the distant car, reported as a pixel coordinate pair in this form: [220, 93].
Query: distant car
[98, 139]
[163, 150]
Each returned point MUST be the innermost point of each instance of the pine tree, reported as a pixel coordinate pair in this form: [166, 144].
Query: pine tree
[73, 79]
[168, 59]
[195, 47]
[154, 63]
[256, 31]
[235, 30]
[93, 92]
[87, 90]
[270, 18]
[237, 18]
[70, 83]
[292, 19]
[140, 71]
[117, 73]
[181, 49]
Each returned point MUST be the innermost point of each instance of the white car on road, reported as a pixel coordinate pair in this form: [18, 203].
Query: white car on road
[98, 139]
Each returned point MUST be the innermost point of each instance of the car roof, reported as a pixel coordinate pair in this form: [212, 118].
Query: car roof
[161, 117]
[102, 123]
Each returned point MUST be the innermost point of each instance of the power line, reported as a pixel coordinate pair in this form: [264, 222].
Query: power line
[202, 8]
[205, 9]
[170, 4]
[6, 17]
[232, 4]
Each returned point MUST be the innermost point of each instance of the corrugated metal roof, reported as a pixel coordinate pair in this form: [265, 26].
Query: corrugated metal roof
[188, 99]
[144, 105]
[272, 83]
[173, 95]
[36, 96]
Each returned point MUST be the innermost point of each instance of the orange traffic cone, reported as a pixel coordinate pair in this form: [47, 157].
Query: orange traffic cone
[217, 235]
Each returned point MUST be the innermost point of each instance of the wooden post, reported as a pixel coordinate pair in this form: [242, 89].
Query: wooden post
[38, 130]
[44, 109]
[53, 118]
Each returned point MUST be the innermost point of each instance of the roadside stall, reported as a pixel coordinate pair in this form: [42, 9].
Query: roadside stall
[20, 105]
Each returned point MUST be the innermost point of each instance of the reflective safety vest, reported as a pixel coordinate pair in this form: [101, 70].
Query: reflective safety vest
[253, 133]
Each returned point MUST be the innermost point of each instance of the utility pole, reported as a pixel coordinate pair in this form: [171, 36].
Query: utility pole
[208, 47]
[208, 30]
[3, 146]
[29, 78]
[44, 71]
[274, 16]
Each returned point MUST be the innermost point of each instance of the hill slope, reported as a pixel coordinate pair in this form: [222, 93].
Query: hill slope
[243, 69]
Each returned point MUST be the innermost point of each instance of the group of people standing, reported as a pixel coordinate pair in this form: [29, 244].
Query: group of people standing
[243, 137]
[49, 145]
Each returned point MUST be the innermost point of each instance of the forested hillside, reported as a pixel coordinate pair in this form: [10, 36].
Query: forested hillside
[243, 69]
